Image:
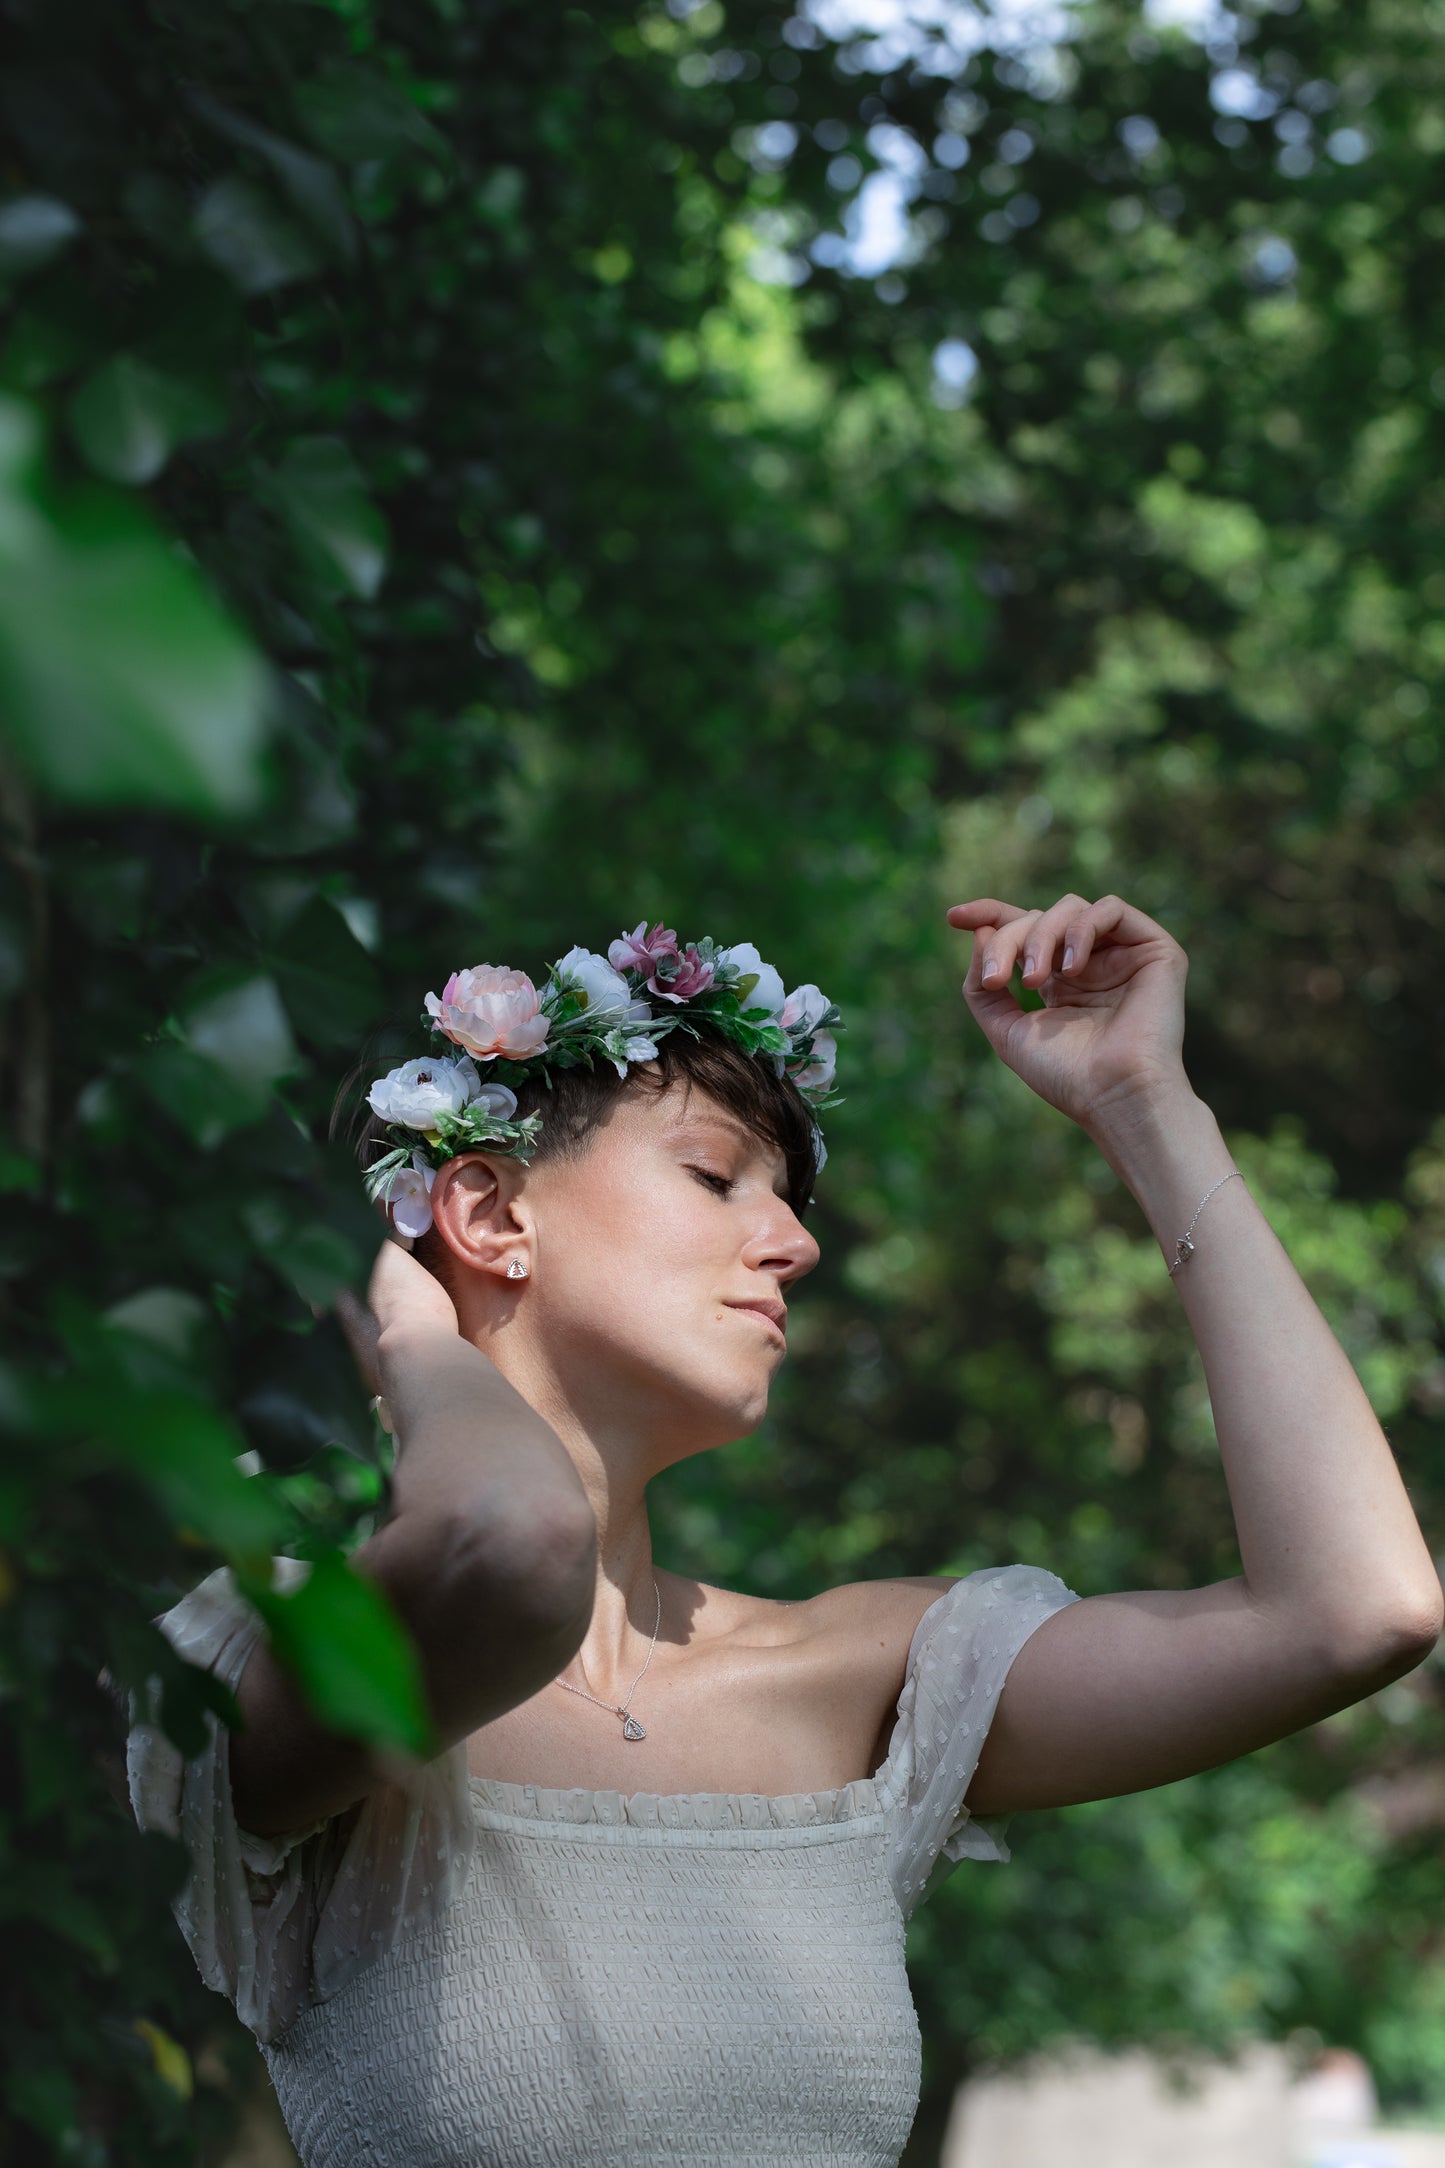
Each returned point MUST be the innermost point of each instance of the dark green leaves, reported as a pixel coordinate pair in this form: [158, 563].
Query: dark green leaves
[324, 500]
[339, 1634]
[129, 417]
[242, 228]
[32, 230]
[121, 681]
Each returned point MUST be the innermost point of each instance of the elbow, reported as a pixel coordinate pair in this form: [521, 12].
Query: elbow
[1398, 1637]
[1416, 1629]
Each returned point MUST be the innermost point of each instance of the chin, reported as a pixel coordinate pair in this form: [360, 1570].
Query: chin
[716, 1418]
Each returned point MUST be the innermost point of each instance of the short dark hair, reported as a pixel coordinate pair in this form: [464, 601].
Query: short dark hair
[578, 1101]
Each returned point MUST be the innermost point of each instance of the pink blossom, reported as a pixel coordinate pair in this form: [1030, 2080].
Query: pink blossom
[805, 1006]
[692, 976]
[818, 1073]
[642, 951]
[490, 1010]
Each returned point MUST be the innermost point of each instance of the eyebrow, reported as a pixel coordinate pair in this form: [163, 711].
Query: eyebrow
[733, 1127]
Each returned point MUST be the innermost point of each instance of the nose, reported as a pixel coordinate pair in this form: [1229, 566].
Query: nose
[784, 1247]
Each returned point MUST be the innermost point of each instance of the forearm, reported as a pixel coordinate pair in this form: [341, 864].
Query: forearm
[1326, 1532]
[468, 1444]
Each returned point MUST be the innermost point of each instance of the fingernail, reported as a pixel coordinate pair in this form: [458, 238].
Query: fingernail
[1068, 957]
[1030, 963]
[990, 969]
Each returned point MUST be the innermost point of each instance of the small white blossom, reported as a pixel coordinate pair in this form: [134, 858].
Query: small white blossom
[409, 1195]
[500, 1103]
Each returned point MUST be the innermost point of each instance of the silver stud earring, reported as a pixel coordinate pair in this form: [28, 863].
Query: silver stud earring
[516, 1270]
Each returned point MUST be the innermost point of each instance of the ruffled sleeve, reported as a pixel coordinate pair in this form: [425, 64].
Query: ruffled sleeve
[958, 1661]
[278, 1923]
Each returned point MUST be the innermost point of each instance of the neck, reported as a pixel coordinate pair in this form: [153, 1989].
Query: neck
[615, 1469]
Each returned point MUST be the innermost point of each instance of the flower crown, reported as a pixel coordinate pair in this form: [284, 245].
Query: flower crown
[589, 1008]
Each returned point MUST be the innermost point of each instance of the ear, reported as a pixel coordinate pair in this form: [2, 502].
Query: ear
[479, 1212]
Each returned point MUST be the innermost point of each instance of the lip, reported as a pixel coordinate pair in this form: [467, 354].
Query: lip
[773, 1314]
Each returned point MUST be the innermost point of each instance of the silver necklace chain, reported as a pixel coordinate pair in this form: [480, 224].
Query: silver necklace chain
[631, 1729]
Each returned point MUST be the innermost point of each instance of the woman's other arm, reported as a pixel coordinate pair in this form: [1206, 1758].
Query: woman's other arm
[488, 1554]
[1338, 1594]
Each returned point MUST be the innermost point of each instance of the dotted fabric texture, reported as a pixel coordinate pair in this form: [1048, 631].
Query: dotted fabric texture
[468, 1973]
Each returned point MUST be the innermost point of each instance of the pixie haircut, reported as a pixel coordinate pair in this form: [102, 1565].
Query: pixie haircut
[578, 1102]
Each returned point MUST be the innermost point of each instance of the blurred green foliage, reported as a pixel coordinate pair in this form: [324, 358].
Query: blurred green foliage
[456, 497]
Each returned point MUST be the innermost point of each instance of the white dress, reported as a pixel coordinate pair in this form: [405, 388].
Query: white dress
[479, 1974]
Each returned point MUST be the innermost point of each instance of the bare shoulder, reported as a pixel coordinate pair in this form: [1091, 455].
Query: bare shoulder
[860, 1617]
[877, 1614]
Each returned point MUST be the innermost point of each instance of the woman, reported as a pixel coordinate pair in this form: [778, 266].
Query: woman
[647, 1904]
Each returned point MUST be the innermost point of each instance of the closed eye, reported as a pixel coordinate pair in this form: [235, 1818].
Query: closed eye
[719, 1184]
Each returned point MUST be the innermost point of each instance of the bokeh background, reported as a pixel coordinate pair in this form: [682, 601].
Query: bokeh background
[474, 474]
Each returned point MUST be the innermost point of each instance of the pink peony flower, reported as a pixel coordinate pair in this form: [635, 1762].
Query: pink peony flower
[642, 951]
[691, 976]
[490, 1010]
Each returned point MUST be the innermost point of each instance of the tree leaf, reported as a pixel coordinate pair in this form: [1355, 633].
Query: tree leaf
[236, 1021]
[353, 112]
[121, 681]
[327, 980]
[324, 500]
[32, 230]
[311, 184]
[244, 230]
[340, 1635]
[184, 1449]
[129, 417]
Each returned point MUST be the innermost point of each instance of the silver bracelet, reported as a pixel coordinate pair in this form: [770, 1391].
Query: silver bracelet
[1184, 1248]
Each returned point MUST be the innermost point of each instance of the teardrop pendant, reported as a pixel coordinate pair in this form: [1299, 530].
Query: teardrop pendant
[631, 1729]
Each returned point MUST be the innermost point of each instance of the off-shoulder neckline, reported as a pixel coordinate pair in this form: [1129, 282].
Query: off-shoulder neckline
[860, 1797]
[717, 1810]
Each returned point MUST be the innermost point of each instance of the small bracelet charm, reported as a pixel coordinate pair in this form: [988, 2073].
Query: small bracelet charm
[1184, 1248]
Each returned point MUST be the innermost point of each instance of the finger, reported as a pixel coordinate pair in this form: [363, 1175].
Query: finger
[1123, 925]
[1002, 949]
[982, 935]
[982, 911]
[1045, 937]
[1078, 939]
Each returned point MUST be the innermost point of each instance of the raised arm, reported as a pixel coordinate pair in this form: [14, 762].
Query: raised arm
[1339, 1594]
[489, 1555]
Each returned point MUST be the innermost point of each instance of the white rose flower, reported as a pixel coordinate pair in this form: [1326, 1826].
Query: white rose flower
[608, 995]
[768, 992]
[416, 1093]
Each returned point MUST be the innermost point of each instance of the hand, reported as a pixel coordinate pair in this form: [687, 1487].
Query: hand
[1108, 1038]
[401, 1296]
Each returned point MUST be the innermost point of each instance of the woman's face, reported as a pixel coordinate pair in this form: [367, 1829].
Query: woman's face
[653, 1259]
